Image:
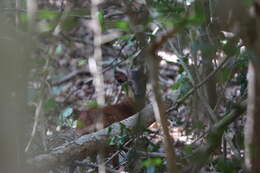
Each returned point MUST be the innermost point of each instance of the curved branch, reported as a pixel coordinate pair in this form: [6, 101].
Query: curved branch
[201, 156]
[91, 143]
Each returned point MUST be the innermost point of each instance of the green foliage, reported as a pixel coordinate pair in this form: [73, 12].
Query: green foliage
[176, 13]
[214, 138]
[248, 3]
[101, 19]
[189, 18]
[182, 84]
[69, 23]
[168, 7]
[230, 48]
[152, 162]
[236, 71]
[81, 124]
[50, 105]
[65, 117]
[176, 85]
[241, 68]
[188, 149]
[23, 18]
[224, 75]
[82, 62]
[92, 104]
[199, 14]
[48, 14]
[226, 166]
[119, 140]
[59, 49]
[125, 88]
[67, 112]
[123, 25]
[176, 121]
[238, 139]
[207, 49]
[52, 17]
[47, 19]
[198, 125]
[172, 9]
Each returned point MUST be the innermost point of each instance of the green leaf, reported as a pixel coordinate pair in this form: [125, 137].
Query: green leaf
[70, 23]
[67, 112]
[125, 88]
[112, 140]
[152, 162]
[81, 124]
[176, 86]
[92, 104]
[199, 16]
[59, 49]
[225, 166]
[122, 25]
[101, 19]
[118, 140]
[24, 18]
[50, 105]
[82, 62]
[47, 14]
[188, 149]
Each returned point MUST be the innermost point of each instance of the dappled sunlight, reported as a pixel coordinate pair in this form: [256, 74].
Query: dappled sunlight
[167, 56]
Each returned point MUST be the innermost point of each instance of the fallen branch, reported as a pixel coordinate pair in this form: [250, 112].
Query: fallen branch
[70, 76]
[91, 143]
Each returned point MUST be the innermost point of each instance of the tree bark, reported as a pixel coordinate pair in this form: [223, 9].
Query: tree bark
[252, 128]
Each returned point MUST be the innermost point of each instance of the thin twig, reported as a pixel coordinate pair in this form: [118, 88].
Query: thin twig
[38, 111]
[117, 152]
[191, 91]
[70, 76]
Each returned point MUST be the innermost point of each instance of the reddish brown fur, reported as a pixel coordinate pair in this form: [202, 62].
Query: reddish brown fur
[111, 113]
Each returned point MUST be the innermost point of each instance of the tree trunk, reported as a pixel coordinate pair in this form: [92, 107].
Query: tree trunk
[252, 128]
